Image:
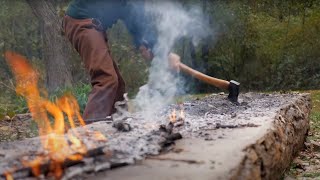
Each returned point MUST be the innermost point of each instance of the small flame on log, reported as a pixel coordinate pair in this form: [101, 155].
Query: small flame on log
[98, 136]
[58, 147]
[8, 176]
[174, 117]
[182, 114]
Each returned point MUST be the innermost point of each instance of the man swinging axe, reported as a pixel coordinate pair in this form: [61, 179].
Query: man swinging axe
[85, 24]
[232, 86]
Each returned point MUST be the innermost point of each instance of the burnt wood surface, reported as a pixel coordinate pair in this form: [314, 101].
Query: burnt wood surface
[148, 137]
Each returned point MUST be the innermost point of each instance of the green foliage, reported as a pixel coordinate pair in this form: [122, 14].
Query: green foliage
[19, 29]
[11, 105]
[80, 92]
[315, 114]
[17, 104]
[312, 175]
[266, 45]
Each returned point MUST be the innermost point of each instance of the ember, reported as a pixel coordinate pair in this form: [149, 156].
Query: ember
[58, 148]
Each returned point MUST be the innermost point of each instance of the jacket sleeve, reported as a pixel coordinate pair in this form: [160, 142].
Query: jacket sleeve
[139, 25]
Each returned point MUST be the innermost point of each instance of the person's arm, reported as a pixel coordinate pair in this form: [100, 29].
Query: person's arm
[140, 27]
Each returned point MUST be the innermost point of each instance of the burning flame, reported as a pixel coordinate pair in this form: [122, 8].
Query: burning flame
[182, 115]
[8, 176]
[58, 146]
[173, 117]
[99, 137]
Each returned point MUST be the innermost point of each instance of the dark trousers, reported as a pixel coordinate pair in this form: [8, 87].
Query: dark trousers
[108, 86]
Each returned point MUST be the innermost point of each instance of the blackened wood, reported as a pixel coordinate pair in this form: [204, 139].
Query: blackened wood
[174, 137]
[26, 172]
[170, 127]
[121, 126]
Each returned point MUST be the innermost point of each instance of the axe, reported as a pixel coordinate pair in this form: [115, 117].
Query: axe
[232, 86]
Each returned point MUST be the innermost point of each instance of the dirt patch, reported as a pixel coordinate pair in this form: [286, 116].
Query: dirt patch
[16, 128]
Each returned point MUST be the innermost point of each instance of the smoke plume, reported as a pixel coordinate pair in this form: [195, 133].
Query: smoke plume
[172, 22]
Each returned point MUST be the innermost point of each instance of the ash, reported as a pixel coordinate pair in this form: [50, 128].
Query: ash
[215, 112]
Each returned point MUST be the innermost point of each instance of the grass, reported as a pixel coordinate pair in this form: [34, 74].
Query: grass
[12, 104]
[312, 175]
[80, 92]
[315, 116]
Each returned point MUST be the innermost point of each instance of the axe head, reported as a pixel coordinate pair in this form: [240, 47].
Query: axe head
[234, 88]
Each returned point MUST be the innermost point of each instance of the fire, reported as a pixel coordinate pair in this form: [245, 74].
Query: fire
[8, 176]
[51, 118]
[174, 117]
[182, 114]
[99, 137]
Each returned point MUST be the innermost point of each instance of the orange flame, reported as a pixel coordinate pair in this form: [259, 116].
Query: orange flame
[182, 115]
[34, 165]
[173, 116]
[8, 176]
[99, 137]
[59, 148]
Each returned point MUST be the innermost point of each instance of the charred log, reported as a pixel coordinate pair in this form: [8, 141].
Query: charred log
[95, 160]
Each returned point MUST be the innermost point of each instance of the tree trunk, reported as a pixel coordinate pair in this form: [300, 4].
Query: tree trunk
[56, 50]
[205, 46]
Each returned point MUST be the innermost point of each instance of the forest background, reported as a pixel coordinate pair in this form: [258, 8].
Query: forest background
[265, 45]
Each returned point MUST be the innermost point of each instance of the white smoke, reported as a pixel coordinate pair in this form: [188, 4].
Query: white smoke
[173, 22]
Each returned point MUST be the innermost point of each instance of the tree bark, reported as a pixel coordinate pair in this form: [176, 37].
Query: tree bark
[56, 50]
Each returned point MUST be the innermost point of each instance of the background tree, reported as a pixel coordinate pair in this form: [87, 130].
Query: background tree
[56, 50]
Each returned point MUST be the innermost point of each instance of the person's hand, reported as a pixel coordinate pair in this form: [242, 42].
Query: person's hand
[174, 62]
[146, 53]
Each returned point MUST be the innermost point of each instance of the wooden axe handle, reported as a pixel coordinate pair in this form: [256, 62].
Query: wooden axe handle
[222, 84]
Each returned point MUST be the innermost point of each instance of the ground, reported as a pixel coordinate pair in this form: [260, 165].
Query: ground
[305, 166]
